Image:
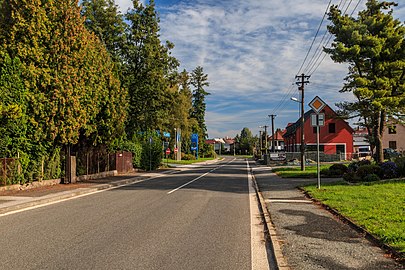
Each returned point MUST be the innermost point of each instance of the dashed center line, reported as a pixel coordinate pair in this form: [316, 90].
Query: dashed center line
[199, 177]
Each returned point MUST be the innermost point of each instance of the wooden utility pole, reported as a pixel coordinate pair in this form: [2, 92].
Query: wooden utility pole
[265, 137]
[302, 81]
[273, 147]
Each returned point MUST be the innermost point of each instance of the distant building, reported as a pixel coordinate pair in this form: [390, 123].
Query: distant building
[394, 136]
[361, 145]
[336, 136]
[278, 140]
[227, 144]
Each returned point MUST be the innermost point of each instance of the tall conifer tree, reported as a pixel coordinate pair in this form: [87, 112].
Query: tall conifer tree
[374, 46]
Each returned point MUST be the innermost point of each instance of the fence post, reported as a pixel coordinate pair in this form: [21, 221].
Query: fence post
[87, 163]
[108, 162]
[42, 169]
[5, 171]
[98, 162]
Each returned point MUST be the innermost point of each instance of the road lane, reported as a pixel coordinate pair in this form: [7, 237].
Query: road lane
[204, 225]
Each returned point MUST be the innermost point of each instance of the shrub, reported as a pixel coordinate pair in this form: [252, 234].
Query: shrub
[151, 155]
[337, 169]
[400, 162]
[352, 167]
[325, 172]
[364, 162]
[371, 178]
[351, 177]
[365, 170]
[188, 157]
[389, 170]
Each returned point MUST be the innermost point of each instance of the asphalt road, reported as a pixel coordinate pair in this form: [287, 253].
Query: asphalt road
[193, 219]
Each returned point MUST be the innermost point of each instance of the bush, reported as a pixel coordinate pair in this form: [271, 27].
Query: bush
[337, 169]
[351, 177]
[325, 172]
[389, 170]
[352, 167]
[364, 162]
[188, 157]
[151, 156]
[365, 170]
[371, 178]
[400, 162]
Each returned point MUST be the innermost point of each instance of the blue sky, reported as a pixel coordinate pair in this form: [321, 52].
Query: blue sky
[251, 51]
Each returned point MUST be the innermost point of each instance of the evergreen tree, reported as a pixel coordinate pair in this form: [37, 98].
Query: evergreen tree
[148, 70]
[373, 45]
[199, 80]
[103, 18]
[67, 74]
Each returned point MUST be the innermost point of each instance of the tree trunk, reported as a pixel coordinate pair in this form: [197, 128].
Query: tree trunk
[378, 133]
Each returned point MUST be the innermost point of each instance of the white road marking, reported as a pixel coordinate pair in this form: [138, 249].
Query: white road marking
[258, 246]
[199, 177]
[78, 196]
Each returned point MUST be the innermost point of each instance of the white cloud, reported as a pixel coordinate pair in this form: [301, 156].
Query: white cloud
[251, 51]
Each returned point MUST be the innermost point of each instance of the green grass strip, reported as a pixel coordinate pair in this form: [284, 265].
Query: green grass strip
[377, 207]
[172, 161]
[295, 172]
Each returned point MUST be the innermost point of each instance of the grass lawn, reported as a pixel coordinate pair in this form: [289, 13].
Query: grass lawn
[377, 207]
[295, 172]
[172, 161]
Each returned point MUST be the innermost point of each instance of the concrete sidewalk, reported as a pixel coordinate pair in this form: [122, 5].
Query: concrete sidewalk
[311, 237]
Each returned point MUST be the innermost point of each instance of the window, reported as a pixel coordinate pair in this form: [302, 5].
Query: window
[340, 148]
[332, 128]
[392, 144]
[392, 130]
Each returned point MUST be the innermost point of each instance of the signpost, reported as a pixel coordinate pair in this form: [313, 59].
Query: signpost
[167, 156]
[194, 143]
[317, 120]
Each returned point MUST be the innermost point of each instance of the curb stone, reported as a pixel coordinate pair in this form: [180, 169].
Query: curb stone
[270, 231]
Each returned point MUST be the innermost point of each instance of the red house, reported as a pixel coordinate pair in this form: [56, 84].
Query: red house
[335, 137]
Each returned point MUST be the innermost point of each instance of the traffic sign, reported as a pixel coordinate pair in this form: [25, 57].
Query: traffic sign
[176, 150]
[317, 104]
[168, 151]
[317, 119]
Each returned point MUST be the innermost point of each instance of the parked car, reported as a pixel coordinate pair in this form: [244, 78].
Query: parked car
[390, 153]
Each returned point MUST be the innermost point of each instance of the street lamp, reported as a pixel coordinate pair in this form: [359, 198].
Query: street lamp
[302, 132]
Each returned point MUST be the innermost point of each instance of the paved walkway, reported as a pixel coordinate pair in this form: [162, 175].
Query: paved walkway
[311, 237]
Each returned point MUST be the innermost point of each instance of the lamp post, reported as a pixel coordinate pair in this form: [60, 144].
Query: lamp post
[302, 132]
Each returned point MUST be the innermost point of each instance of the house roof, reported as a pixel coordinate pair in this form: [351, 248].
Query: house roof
[278, 135]
[229, 141]
[291, 129]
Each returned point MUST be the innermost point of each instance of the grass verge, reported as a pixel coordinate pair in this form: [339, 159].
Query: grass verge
[172, 161]
[295, 172]
[377, 207]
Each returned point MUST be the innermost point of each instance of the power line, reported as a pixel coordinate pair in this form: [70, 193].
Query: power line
[314, 66]
[316, 34]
